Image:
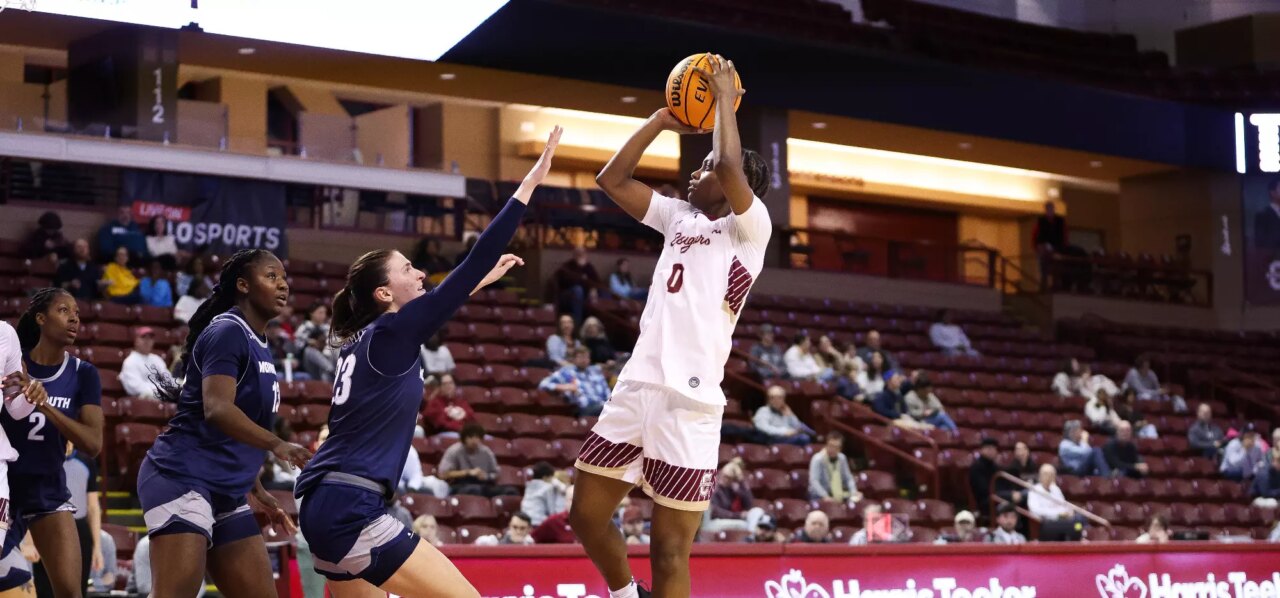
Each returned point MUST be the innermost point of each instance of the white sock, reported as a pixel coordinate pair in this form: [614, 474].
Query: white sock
[627, 591]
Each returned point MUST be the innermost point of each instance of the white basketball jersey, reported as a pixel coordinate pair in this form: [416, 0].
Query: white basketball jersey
[17, 407]
[699, 287]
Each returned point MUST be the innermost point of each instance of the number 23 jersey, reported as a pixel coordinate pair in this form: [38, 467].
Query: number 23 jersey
[699, 288]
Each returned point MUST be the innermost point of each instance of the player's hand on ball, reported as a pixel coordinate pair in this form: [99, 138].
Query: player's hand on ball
[288, 452]
[669, 122]
[722, 75]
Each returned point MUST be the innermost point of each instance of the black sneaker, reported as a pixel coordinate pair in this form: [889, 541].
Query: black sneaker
[642, 591]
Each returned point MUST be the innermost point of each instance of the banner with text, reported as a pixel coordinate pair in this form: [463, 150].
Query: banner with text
[1260, 195]
[224, 214]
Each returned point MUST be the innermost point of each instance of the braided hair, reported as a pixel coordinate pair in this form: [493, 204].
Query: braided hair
[757, 171]
[222, 299]
[28, 329]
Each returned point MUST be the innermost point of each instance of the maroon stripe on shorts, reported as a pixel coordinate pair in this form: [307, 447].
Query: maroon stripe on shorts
[679, 483]
[601, 453]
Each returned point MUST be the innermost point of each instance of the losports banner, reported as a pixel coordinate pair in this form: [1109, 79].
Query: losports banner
[973, 571]
[224, 214]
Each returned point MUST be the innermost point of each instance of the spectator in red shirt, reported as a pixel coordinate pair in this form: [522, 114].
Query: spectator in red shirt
[555, 528]
[446, 410]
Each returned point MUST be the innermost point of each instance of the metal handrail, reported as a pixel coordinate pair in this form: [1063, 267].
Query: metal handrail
[1003, 475]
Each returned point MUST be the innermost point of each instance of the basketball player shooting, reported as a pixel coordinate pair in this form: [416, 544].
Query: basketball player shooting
[661, 427]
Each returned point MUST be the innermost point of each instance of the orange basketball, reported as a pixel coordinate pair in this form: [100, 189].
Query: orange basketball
[689, 93]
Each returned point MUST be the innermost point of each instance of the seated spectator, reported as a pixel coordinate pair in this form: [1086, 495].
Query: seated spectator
[1157, 531]
[544, 494]
[188, 304]
[161, 245]
[801, 362]
[872, 377]
[281, 348]
[1091, 384]
[103, 578]
[154, 288]
[429, 257]
[447, 412]
[122, 232]
[79, 275]
[517, 533]
[633, 526]
[766, 532]
[412, 478]
[777, 423]
[732, 504]
[1045, 499]
[316, 362]
[1143, 380]
[1243, 457]
[890, 404]
[1077, 456]
[852, 357]
[581, 384]
[122, 285]
[621, 285]
[46, 241]
[578, 283]
[1128, 410]
[1204, 435]
[949, 337]
[436, 357]
[318, 317]
[143, 369]
[1100, 413]
[983, 473]
[597, 343]
[924, 406]
[873, 346]
[1122, 453]
[1023, 467]
[1067, 381]
[846, 383]
[471, 468]
[427, 529]
[830, 478]
[558, 344]
[1275, 440]
[870, 515]
[829, 359]
[766, 356]
[816, 530]
[966, 530]
[1006, 531]
[555, 529]
[193, 274]
[1266, 484]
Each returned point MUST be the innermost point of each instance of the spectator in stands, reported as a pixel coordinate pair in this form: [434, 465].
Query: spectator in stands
[1091, 384]
[965, 527]
[889, 403]
[1122, 453]
[447, 411]
[621, 285]
[122, 232]
[429, 257]
[846, 383]
[46, 241]
[1128, 410]
[161, 245]
[1142, 379]
[1266, 223]
[1067, 381]
[1275, 440]
[1157, 531]
[436, 357]
[103, 578]
[924, 406]
[517, 533]
[767, 358]
[1242, 457]
[633, 526]
[1204, 435]
[192, 274]
[597, 343]
[1006, 531]
[732, 504]
[1100, 413]
[1265, 489]
[581, 384]
[578, 283]
[983, 473]
[470, 467]
[1076, 455]
[122, 285]
[766, 532]
[544, 494]
[816, 530]
[154, 288]
[428, 529]
[949, 337]
[829, 359]
[852, 357]
[1049, 239]
[555, 528]
[316, 362]
[318, 316]
[558, 344]
[871, 378]
[412, 478]
[1045, 499]
[873, 346]
[1024, 467]
[142, 365]
[830, 478]
[188, 304]
[801, 362]
[78, 275]
[870, 514]
[778, 423]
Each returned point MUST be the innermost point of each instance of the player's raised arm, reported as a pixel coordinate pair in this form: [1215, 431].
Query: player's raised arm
[726, 146]
[618, 180]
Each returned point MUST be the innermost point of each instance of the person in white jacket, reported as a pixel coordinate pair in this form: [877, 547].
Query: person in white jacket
[142, 365]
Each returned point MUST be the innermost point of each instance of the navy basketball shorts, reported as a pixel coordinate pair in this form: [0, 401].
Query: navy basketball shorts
[14, 570]
[171, 506]
[351, 534]
[34, 496]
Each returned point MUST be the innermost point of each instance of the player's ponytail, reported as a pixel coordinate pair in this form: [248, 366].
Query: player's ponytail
[223, 298]
[28, 329]
[354, 306]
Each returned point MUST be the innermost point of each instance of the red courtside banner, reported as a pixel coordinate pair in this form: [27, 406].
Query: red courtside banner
[1101, 570]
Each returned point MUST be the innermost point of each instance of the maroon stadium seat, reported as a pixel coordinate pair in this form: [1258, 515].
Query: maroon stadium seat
[467, 534]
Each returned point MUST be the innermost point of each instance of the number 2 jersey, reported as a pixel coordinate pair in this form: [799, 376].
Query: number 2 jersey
[699, 287]
[194, 450]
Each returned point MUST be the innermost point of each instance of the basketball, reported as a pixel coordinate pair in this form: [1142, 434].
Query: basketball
[689, 93]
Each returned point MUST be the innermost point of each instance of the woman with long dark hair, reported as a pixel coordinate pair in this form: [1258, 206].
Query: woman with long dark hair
[380, 318]
[193, 482]
[40, 500]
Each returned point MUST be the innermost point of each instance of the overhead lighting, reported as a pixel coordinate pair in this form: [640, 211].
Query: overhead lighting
[819, 125]
[628, 99]
[965, 145]
[1095, 164]
[447, 76]
[247, 51]
[527, 126]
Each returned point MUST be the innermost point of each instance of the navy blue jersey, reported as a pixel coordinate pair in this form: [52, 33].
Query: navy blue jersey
[377, 387]
[41, 448]
[196, 451]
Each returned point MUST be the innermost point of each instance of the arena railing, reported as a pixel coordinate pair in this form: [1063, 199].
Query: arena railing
[926, 472]
[826, 250]
[997, 500]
